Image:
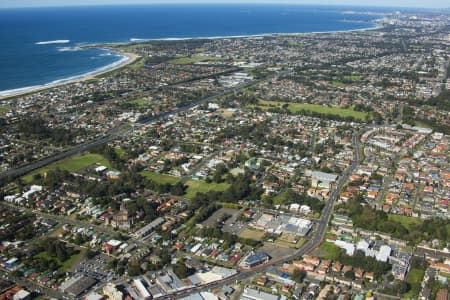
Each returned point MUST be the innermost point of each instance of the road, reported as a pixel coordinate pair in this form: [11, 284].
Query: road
[33, 286]
[200, 165]
[63, 219]
[115, 134]
[78, 223]
[316, 236]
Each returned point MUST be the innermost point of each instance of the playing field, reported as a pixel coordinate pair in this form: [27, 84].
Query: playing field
[198, 186]
[71, 164]
[138, 102]
[160, 178]
[191, 60]
[322, 109]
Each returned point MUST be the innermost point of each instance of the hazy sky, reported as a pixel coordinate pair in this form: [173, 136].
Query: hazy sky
[396, 3]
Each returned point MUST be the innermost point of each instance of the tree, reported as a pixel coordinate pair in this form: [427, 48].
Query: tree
[298, 275]
[91, 254]
[78, 240]
[182, 271]
[350, 275]
[134, 270]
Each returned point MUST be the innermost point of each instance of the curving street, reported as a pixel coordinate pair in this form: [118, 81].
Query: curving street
[316, 236]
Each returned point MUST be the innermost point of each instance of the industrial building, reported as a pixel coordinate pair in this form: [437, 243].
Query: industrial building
[278, 224]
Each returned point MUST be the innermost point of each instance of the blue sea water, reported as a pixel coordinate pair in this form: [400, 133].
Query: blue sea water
[39, 45]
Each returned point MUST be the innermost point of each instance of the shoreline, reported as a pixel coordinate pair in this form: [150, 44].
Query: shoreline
[141, 40]
[126, 59]
[129, 58]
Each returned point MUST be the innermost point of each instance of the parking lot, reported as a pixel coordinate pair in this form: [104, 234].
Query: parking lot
[231, 225]
[96, 268]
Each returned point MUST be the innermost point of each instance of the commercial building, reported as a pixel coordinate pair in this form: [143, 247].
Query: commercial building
[322, 179]
[77, 285]
[255, 259]
[143, 291]
[252, 294]
[278, 224]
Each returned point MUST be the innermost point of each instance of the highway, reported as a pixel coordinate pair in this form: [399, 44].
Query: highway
[316, 236]
[115, 134]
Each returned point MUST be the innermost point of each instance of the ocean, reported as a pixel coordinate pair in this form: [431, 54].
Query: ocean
[41, 45]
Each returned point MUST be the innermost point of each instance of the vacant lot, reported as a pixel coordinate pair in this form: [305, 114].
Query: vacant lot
[160, 178]
[198, 186]
[71, 164]
[275, 250]
[328, 250]
[252, 234]
[414, 279]
[289, 240]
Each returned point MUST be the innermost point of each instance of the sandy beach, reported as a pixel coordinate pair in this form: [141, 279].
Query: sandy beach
[127, 58]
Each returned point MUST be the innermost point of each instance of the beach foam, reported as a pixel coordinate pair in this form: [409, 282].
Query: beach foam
[69, 49]
[52, 42]
[124, 59]
[138, 40]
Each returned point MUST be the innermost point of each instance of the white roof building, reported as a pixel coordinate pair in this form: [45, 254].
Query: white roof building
[144, 293]
[21, 295]
[114, 243]
[348, 247]
[383, 254]
[253, 294]
[362, 245]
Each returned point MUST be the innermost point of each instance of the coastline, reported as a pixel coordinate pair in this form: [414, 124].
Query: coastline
[141, 40]
[126, 59]
[129, 58]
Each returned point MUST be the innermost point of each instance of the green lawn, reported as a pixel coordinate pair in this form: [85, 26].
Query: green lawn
[337, 83]
[191, 60]
[353, 77]
[295, 107]
[160, 178]
[329, 251]
[139, 63]
[421, 124]
[3, 109]
[197, 186]
[409, 223]
[120, 152]
[71, 164]
[252, 234]
[279, 199]
[63, 266]
[414, 279]
[67, 265]
[138, 102]
[293, 44]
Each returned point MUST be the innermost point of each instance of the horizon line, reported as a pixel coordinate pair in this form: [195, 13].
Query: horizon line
[375, 6]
